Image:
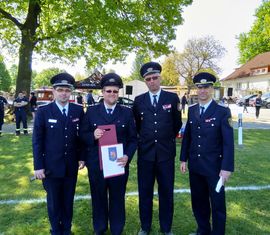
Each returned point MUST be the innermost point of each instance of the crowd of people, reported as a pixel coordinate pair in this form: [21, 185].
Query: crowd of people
[65, 140]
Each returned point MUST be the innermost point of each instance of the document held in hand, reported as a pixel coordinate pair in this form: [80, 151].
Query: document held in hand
[109, 137]
[110, 154]
[219, 184]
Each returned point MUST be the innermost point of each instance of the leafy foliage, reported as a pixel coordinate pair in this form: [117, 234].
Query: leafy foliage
[5, 79]
[140, 59]
[170, 76]
[43, 78]
[96, 30]
[200, 54]
[257, 40]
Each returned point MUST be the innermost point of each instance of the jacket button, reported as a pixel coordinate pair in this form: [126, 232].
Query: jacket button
[199, 155]
[155, 141]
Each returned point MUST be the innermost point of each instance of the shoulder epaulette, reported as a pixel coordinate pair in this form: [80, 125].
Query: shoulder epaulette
[192, 105]
[223, 105]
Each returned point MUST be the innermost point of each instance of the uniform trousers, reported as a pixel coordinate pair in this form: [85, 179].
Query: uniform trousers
[163, 172]
[60, 196]
[108, 200]
[205, 200]
[1, 119]
[21, 117]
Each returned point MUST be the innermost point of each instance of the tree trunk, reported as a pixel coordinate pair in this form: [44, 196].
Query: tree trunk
[23, 82]
[28, 42]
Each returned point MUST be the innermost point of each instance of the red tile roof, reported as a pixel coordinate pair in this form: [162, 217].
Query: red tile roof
[259, 61]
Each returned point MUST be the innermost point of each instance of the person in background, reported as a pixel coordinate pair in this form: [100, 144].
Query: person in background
[57, 152]
[158, 120]
[89, 98]
[20, 104]
[245, 105]
[208, 146]
[184, 101]
[3, 102]
[258, 104]
[33, 104]
[79, 99]
[108, 195]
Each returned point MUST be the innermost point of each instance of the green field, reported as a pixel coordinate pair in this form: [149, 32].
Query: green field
[248, 211]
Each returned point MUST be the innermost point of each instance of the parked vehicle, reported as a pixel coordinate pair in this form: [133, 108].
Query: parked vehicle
[264, 97]
[266, 103]
[121, 100]
[45, 96]
[245, 99]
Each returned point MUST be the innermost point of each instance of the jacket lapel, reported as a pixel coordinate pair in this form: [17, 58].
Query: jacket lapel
[56, 113]
[103, 113]
[210, 110]
[147, 102]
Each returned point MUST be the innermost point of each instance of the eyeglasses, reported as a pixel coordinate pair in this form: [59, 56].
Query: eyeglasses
[152, 78]
[66, 90]
[112, 91]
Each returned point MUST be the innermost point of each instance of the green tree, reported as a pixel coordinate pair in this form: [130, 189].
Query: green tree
[257, 40]
[140, 59]
[5, 79]
[170, 75]
[42, 79]
[200, 54]
[96, 30]
[13, 70]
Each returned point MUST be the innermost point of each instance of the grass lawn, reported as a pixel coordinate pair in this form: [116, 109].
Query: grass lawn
[248, 211]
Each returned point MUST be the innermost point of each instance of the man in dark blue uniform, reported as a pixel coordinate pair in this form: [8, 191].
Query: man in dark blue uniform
[208, 146]
[108, 195]
[20, 111]
[158, 119]
[56, 150]
[3, 102]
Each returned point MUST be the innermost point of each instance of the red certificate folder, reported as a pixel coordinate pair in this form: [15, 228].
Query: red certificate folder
[109, 137]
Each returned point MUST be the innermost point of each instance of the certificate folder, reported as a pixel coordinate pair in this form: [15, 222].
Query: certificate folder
[109, 137]
[110, 154]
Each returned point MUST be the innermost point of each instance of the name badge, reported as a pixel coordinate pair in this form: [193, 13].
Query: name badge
[75, 120]
[52, 121]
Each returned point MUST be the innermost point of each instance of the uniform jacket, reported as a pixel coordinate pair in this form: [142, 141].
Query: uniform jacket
[23, 108]
[123, 119]
[56, 143]
[208, 142]
[157, 127]
[3, 101]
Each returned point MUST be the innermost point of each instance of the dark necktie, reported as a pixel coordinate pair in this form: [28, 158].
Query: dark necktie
[155, 101]
[202, 110]
[109, 111]
[64, 114]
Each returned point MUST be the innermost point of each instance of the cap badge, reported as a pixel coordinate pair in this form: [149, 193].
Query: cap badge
[111, 80]
[149, 69]
[64, 81]
[203, 81]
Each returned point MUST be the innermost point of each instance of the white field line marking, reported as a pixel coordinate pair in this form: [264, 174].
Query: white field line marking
[84, 197]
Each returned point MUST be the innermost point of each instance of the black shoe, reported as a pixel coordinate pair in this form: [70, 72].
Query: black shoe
[142, 232]
[17, 133]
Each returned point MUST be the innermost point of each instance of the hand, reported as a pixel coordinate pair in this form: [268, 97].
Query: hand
[81, 165]
[183, 167]
[122, 161]
[98, 133]
[225, 175]
[40, 174]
